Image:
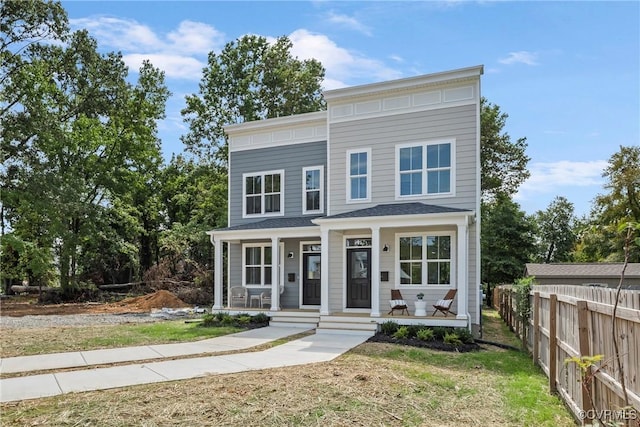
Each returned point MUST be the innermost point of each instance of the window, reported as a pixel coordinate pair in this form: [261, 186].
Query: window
[257, 265]
[425, 169]
[263, 193]
[358, 171]
[312, 193]
[425, 259]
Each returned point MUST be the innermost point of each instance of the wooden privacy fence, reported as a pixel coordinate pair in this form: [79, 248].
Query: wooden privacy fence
[574, 321]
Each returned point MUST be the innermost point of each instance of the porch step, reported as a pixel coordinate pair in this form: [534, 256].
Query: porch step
[288, 319]
[347, 325]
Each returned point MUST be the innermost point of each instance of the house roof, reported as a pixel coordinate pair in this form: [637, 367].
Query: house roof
[280, 222]
[582, 270]
[393, 209]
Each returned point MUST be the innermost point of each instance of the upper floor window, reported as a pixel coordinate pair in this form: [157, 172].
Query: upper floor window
[359, 175]
[313, 186]
[263, 193]
[425, 259]
[425, 169]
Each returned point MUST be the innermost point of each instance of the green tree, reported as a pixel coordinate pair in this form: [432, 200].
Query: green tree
[600, 239]
[507, 243]
[503, 162]
[76, 143]
[251, 79]
[556, 231]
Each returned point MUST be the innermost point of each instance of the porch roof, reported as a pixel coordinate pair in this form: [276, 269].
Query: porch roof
[280, 222]
[394, 209]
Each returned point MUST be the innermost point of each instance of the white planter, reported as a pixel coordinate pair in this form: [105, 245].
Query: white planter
[421, 308]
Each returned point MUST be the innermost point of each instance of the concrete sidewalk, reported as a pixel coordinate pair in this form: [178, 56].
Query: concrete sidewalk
[311, 349]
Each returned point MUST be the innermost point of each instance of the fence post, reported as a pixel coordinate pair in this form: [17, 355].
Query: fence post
[553, 343]
[509, 310]
[536, 326]
[583, 342]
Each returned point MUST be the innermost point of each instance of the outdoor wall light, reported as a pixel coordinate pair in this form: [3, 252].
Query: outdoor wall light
[386, 248]
[290, 255]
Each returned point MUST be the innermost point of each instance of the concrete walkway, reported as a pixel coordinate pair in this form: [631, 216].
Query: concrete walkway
[311, 349]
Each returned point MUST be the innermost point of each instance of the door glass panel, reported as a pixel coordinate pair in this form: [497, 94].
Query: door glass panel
[313, 267]
[359, 265]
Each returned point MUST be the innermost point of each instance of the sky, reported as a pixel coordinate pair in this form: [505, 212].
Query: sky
[566, 73]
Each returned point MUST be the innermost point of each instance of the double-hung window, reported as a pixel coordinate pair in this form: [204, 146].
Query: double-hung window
[425, 259]
[257, 265]
[359, 175]
[313, 186]
[425, 169]
[263, 193]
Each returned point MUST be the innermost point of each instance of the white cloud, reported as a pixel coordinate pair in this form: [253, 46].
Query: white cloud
[520, 57]
[349, 22]
[174, 66]
[547, 177]
[181, 53]
[342, 66]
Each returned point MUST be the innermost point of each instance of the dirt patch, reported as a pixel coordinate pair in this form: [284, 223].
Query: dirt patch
[23, 306]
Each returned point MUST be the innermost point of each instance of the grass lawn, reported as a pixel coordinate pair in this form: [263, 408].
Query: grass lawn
[24, 342]
[374, 384]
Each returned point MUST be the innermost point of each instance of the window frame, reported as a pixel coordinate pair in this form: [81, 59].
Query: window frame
[263, 193]
[367, 176]
[424, 261]
[425, 170]
[305, 190]
[262, 265]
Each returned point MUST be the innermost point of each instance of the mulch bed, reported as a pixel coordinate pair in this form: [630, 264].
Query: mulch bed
[434, 345]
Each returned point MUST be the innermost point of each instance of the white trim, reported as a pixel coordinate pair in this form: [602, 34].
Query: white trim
[262, 193]
[453, 262]
[305, 190]
[302, 272]
[344, 270]
[425, 170]
[348, 175]
[262, 265]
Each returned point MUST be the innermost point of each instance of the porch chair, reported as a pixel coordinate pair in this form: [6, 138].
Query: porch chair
[397, 302]
[265, 297]
[444, 305]
[238, 294]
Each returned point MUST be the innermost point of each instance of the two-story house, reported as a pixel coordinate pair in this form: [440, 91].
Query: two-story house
[332, 210]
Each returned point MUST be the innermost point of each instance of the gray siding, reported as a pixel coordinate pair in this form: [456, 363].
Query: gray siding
[291, 158]
[383, 134]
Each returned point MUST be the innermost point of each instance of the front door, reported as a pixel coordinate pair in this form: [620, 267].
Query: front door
[311, 279]
[358, 278]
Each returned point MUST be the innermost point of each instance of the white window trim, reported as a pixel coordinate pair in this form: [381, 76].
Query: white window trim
[305, 211]
[348, 175]
[424, 145]
[424, 235]
[262, 284]
[262, 204]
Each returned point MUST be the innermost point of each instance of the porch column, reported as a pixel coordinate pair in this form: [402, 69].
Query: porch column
[217, 280]
[375, 271]
[324, 271]
[275, 274]
[463, 272]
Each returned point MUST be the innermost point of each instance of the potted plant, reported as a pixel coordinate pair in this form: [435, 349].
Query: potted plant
[421, 305]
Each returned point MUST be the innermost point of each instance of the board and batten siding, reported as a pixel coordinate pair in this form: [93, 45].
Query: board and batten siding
[290, 158]
[383, 134]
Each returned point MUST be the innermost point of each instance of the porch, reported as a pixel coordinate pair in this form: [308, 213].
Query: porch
[312, 319]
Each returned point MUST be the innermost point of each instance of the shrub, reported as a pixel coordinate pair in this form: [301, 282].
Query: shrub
[260, 318]
[425, 334]
[414, 329]
[439, 332]
[389, 327]
[464, 334]
[453, 339]
[401, 333]
[209, 320]
[244, 319]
